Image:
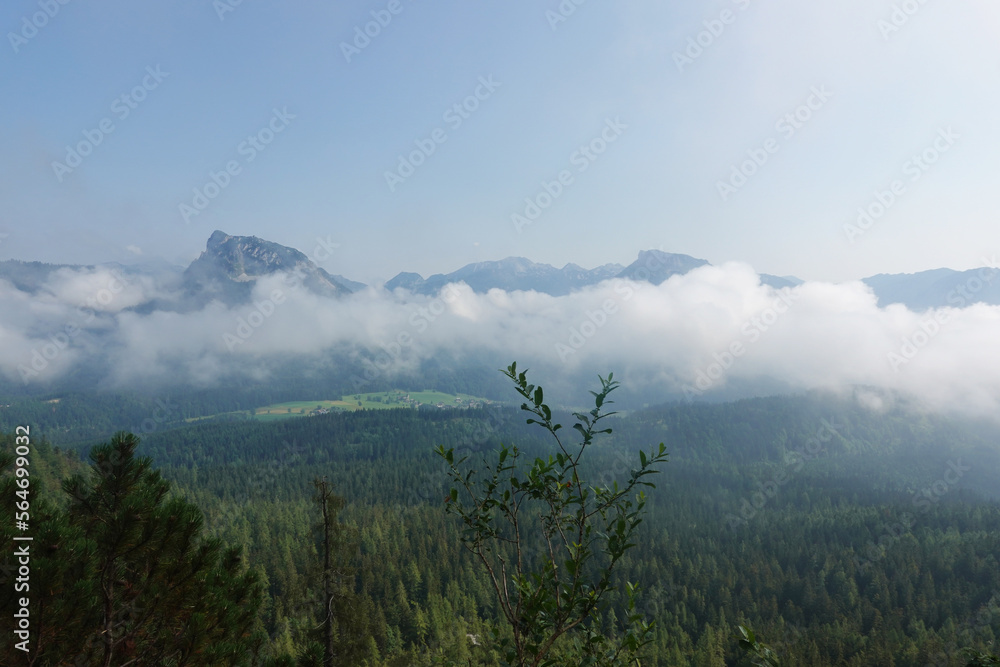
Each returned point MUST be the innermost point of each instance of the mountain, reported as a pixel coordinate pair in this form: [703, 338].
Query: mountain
[656, 266]
[37, 277]
[937, 288]
[30, 276]
[518, 273]
[230, 265]
[777, 282]
[351, 285]
[512, 273]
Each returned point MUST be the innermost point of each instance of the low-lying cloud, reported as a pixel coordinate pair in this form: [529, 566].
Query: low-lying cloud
[692, 336]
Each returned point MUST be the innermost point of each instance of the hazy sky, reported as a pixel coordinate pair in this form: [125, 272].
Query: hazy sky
[309, 114]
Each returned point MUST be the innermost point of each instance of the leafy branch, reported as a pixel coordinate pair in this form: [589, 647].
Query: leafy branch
[550, 598]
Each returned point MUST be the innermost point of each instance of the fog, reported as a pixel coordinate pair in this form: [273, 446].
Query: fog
[696, 336]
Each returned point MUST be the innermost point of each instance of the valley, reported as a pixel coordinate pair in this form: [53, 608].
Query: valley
[499, 334]
[843, 536]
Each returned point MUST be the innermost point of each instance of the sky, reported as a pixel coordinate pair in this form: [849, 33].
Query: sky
[734, 130]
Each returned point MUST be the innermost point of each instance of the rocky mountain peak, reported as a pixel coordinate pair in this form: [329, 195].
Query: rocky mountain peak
[230, 265]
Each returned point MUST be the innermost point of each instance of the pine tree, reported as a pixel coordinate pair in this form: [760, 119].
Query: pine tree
[121, 574]
[161, 593]
[343, 620]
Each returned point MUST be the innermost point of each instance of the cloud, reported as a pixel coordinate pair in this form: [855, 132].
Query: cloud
[101, 289]
[711, 331]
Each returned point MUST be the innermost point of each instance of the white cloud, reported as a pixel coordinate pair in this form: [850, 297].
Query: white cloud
[713, 328]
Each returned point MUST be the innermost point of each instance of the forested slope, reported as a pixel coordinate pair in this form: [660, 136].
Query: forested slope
[805, 517]
[843, 536]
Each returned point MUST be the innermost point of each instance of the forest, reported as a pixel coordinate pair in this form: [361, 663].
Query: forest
[839, 534]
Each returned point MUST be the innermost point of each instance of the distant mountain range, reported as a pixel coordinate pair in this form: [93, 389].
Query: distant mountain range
[518, 273]
[937, 288]
[230, 265]
[513, 273]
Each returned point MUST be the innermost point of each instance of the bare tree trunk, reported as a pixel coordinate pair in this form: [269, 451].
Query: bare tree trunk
[109, 593]
[327, 584]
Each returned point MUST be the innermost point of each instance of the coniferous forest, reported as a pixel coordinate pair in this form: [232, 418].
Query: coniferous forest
[273, 275]
[840, 535]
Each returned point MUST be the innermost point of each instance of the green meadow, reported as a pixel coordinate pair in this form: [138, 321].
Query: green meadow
[371, 401]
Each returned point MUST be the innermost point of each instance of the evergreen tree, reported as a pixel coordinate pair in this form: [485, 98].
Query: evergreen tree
[124, 576]
[342, 616]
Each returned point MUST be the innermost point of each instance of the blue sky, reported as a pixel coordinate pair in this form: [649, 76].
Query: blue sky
[888, 95]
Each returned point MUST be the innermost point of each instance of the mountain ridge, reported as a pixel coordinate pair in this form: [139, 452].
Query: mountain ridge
[231, 264]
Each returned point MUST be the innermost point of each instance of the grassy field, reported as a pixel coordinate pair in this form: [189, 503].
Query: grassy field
[298, 409]
[374, 401]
